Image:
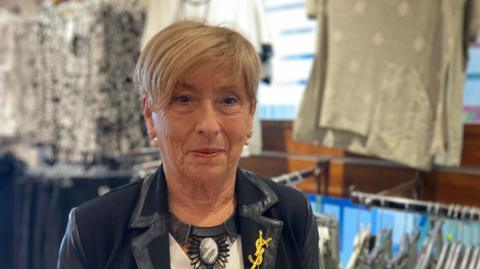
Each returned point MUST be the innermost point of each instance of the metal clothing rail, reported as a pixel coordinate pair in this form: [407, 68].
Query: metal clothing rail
[297, 176]
[322, 162]
[365, 161]
[451, 211]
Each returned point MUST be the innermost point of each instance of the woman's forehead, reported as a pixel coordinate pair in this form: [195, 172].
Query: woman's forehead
[216, 74]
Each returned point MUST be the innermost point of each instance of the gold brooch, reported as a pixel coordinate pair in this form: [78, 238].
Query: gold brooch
[261, 244]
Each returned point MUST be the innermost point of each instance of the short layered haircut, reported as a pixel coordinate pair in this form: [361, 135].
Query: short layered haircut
[183, 46]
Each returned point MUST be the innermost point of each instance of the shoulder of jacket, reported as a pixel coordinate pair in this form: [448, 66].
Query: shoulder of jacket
[118, 197]
[289, 199]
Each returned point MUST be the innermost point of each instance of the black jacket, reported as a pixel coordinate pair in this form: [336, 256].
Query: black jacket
[128, 227]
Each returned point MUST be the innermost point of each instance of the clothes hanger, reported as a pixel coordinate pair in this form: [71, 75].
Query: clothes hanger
[446, 248]
[405, 245]
[402, 254]
[425, 233]
[475, 263]
[474, 254]
[415, 230]
[467, 240]
[425, 259]
[449, 238]
[413, 244]
[458, 246]
[452, 238]
[380, 241]
[359, 242]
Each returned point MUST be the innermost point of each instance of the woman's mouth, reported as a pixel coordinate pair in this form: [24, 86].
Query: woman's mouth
[207, 152]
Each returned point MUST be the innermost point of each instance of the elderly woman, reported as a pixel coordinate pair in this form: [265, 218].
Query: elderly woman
[199, 210]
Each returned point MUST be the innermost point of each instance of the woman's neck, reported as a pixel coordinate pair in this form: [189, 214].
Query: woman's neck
[203, 203]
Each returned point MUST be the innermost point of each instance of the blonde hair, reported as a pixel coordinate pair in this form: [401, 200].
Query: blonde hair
[178, 49]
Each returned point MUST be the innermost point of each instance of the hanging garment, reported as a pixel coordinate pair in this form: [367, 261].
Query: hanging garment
[360, 246]
[323, 238]
[247, 17]
[10, 168]
[388, 78]
[412, 249]
[448, 259]
[381, 253]
[23, 7]
[85, 57]
[16, 96]
[428, 257]
[328, 241]
[401, 260]
[466, 30]
[43, 199]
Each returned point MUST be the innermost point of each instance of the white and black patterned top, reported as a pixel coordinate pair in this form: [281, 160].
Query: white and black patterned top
[86, 53]
[16, 99]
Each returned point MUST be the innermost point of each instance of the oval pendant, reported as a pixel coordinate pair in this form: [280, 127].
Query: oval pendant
[208, 251]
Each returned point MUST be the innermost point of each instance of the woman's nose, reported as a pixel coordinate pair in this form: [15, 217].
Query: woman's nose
[208, 123]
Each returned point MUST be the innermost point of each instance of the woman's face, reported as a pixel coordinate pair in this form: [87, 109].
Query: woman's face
[202, 131]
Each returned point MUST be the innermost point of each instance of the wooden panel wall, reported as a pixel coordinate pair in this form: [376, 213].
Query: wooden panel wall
[448, 187]
[471, 146]
[439, 185]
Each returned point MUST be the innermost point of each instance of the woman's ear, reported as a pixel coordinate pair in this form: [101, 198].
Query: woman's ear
[147, 114]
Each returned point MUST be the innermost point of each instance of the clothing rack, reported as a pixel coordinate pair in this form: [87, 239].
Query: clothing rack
[297, 176]
[142, 152]
[450, 211]
[64, 174]
[322, 162]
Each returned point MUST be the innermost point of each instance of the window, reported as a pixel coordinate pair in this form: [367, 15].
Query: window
[471, 97]
[294, 46]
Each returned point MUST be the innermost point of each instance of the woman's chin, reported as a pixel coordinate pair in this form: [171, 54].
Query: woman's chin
[206, 171]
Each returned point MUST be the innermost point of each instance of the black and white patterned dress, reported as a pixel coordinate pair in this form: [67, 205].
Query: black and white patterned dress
[16, 97]
[85, 57]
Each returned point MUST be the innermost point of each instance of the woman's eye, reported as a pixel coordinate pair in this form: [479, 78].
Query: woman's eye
[182, 99]
[230, 100]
